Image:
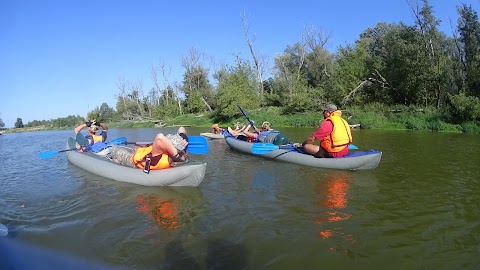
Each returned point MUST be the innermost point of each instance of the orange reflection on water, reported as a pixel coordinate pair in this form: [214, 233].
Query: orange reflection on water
[333, 192]
[164, 212]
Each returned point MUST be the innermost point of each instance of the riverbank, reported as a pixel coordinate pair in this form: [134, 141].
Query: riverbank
[364, 118]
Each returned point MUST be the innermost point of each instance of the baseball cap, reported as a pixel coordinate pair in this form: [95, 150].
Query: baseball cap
[330, 108]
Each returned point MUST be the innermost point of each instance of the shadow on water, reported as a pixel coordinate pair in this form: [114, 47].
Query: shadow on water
[221, 254]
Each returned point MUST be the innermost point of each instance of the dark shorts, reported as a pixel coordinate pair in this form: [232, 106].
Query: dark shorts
[322, 153]
[242, 137]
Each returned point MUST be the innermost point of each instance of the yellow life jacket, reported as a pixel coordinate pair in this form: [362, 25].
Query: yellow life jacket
[97, 138]
[340, 137]
[141, 154]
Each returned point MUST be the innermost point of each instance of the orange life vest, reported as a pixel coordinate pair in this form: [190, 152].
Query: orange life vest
[141, 154]
[340, 137]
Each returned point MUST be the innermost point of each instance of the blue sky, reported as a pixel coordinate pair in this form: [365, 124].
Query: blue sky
[60, 58]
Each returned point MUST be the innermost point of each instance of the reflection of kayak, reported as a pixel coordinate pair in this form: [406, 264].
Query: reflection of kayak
[212, 135]
[367, 160]
[185, 175]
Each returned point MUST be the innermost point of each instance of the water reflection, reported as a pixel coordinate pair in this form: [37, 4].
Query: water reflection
[333, 191]
[163, 211]
[169, 207]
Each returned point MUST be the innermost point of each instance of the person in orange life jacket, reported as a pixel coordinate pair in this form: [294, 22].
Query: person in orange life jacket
[164, 152]
[93, 127]
[266, 134]
[334, 135]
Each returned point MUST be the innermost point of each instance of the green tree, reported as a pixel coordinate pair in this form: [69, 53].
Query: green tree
[19, 123]
[351, 73]
[469, 29]
[434, 43]
[236, 85]
[104, 113]
[198, 90]
[2, 124]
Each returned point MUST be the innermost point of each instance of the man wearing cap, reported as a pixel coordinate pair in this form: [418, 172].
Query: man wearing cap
[92, 137]
[334, 135]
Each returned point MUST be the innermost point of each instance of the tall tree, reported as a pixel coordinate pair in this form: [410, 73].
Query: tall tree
[19, 123]
[259, 61]
[469, 29]
[196, 87]
[236, 85]
[434, 42]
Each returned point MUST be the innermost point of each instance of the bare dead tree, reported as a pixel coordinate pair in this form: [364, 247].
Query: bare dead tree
[376, 78]
[189, 63]
[206, 104]
[177, 88]
[258, 64]
[316, 38]
[138, 96]
[192, 65]
[122, 86]
[354, 91]
[156, 86]
[303, 54]
[166, 84]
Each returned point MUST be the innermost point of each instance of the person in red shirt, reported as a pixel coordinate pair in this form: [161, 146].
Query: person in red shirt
[334, 136]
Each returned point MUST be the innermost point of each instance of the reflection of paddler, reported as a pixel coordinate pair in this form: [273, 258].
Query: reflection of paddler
[164, 212]
[333, 196]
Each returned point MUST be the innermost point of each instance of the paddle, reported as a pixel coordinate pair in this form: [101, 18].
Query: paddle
[196, 145]
[49, 154]
[99, 146]
[248, 119]
[264, 148]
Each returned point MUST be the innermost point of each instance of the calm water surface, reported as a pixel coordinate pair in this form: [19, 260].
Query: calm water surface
[419, 210]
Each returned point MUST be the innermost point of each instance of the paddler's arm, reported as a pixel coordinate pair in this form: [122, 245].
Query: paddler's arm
[80, 127]
[103, 125]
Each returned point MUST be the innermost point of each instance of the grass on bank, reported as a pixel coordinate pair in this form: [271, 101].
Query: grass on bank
[373, 116]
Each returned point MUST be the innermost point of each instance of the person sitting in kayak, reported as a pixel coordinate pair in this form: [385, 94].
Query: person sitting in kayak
[238, 132]
[216, 129]
[164, 152]
[334, 135]
[265, 134]
[91, 138]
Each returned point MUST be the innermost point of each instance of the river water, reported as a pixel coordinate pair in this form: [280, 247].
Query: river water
[420, 209]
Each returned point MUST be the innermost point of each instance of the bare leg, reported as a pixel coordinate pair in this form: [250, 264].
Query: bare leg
[162, 145]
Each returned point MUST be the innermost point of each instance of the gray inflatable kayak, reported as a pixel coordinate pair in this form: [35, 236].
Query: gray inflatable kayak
[358, 160]
[212, 135]
[185, 175]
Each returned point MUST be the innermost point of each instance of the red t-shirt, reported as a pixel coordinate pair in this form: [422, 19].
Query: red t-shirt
[324, 130]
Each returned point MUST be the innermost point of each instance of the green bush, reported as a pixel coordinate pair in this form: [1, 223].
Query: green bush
[471, 127]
